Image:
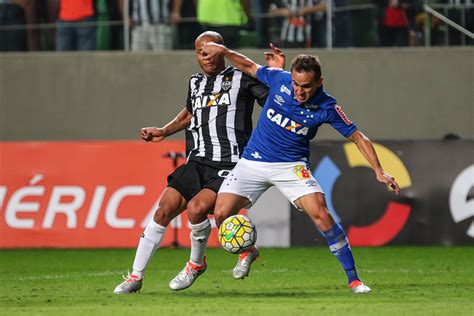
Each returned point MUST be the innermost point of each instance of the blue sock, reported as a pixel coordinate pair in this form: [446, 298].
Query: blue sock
[339, 246]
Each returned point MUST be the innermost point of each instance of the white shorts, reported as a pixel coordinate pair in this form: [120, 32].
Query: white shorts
[156, 37]
[251, 179]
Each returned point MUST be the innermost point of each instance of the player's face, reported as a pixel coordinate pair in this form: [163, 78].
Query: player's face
[212, 66]
[304, 85]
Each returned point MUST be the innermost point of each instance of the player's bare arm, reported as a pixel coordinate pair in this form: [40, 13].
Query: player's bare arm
[367, 150]
[157, 134]
[274, 59]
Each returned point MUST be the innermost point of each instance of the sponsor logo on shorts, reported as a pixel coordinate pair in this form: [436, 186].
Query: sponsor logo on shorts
[302, 172]
[223, 173]
[256, 155]
[311, 183]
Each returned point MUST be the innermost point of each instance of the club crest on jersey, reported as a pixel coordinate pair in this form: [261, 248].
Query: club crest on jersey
[286, 123]
[302, 172]
[211, 100]
[284, 89]
[343, 115]
[226, 85]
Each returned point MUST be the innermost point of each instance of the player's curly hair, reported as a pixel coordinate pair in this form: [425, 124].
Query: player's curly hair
[307, 63]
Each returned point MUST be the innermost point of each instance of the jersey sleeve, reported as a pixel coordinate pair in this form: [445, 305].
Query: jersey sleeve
[268, 75]
[259, 91]
[339, 121]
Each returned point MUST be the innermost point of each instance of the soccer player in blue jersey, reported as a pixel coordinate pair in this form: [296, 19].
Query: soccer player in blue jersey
[278, 151]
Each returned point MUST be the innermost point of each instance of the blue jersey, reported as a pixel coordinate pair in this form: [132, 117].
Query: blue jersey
[286, 127]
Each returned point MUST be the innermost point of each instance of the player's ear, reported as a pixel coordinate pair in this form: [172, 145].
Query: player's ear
[320, 81]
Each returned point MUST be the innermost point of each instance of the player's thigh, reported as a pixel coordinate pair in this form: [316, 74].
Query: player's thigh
[171, 204]
[294, 180]
[248, 179]
[201, 205]
[186, 179]
[314, 204]
[228, 204]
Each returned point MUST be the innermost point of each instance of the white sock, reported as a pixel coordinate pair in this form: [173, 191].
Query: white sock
[149, 242]
[199, 236]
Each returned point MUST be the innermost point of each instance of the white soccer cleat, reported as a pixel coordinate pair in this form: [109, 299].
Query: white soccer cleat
[242, 268]
[187, 276]
[359, 287]
[131, 284]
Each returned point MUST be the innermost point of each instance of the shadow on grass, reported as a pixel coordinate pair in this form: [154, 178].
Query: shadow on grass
[235, 295]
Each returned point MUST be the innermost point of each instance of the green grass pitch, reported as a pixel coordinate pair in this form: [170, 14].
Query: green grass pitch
[296, 281]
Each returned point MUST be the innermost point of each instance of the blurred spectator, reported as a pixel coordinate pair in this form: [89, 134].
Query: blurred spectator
[395, 25]
[45, 12]
[225, 17]
[12, 14]
[187, 29]
[150, 25]
[319, 29]
[436, 34]
[109, 37]
[297, 25]
[364, 25]
[342, 25]
[262, 25]
[102, 30]
[75, 26]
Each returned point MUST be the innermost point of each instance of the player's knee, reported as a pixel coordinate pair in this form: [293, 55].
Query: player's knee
[197, 211]
[163, 215]
[319, 212]
[219, 215]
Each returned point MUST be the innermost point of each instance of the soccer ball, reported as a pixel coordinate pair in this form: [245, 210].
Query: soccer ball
[237, 234]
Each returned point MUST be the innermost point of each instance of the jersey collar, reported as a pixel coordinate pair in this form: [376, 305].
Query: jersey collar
[312, 103]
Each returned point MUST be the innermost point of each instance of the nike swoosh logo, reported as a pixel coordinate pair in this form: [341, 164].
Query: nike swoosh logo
[228, 236]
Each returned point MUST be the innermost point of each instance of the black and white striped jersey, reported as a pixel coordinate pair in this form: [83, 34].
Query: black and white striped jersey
[222, 107]
[146, 12]
[296, 29]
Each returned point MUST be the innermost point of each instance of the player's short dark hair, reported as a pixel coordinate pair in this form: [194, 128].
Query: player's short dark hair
[307, 63]
[216, 37]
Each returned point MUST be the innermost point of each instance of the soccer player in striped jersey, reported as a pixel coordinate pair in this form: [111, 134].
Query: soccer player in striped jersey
[278, 150]
[218, 123]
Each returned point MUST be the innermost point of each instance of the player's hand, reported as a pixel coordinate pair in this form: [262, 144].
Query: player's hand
[175, 18]
[152, 134]
[210, 50]
[389, 181]
[275, 58]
